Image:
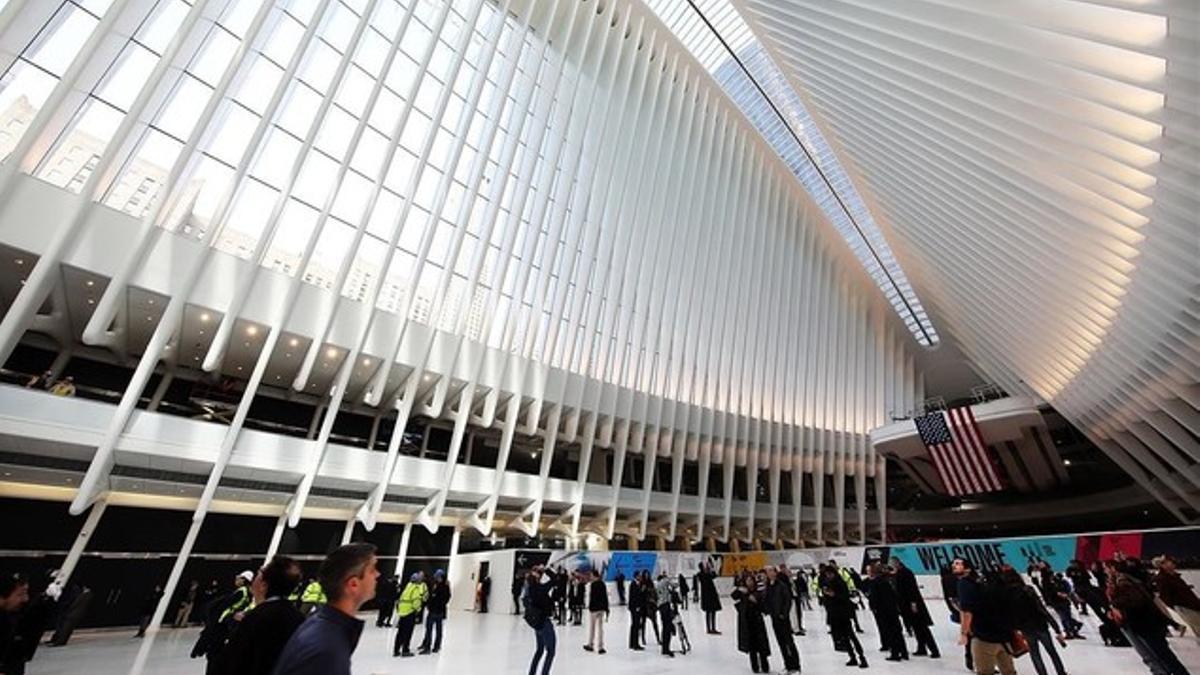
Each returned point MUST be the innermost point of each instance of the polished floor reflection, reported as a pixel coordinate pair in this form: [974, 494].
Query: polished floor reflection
[497, 643]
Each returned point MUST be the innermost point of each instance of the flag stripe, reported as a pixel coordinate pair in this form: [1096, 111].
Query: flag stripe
[965, 454]
[993, 471]
[943, 463]
[937, 465]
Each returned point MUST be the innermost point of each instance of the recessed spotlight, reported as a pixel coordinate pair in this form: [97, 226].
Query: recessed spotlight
[277, 377]
[427, 378]
[204, 317]
[149, 318]
[324, 364]
[332, 352]
[1066, 462]
[195, 358]
[19, 261]
[89, 283]
[287, 355]
[239, 369]
[91, 301]
[150, 301]
[246, 343]
[293, 342]
[366, 362]
[251, 330]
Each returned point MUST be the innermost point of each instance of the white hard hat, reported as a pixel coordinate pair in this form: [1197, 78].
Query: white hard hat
[247, 575]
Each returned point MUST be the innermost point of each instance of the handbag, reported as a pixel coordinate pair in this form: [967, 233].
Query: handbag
[1018, 646]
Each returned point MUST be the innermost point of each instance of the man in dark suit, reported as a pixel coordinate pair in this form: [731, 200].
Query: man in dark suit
[913, 610]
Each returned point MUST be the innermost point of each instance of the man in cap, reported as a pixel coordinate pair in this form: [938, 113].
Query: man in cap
[435, 614]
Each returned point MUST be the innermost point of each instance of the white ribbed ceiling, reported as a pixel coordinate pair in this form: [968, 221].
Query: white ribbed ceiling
[1034, 164]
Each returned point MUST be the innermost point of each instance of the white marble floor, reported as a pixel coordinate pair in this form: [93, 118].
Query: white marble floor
[497, 643]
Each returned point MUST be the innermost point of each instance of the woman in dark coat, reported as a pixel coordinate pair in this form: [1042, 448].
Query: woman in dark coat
[885, 605]
[839, 609]
[710, 602]
[751, 629]
[913, 610]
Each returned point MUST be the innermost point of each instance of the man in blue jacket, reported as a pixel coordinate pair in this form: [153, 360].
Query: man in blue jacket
[324, 643]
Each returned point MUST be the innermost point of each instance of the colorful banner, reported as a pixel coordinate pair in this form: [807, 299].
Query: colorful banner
[735, 563]
[582, 562]
[628, 563]
[985, 553]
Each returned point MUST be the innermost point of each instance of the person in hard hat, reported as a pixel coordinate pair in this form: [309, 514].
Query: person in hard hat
[312, 597]
[408, 607]
[220, 617]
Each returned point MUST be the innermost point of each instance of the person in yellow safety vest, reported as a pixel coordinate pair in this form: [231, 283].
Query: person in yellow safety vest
[312, 597]
[408, 607]
[241, 600]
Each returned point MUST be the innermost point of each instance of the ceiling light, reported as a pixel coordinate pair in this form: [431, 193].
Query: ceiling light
[149, 318]
[294, 342]
[239, 369]
[150, 301]
[246, 343]
[89, 283]
[287, 355]
[91, 301]
[252, 330]
[20, 261]
[195, 358]
[332, 352]
[204, 317]
[427, 378]
[366, 362]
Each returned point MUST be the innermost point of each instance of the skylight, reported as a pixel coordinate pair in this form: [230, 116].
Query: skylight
[715, 33]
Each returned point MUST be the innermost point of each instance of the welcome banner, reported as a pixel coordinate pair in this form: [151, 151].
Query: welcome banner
[984, 554]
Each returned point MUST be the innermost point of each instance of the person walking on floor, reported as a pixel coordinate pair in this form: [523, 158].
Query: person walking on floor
[662, 595]
[597, 605]
[1031, 617]
[913, 611]
[637, 615]
[777, 603]
[884, 601]
[435, 616]
[146, 613]
[577, 599]
[408, 608]
[485, 592]
[839, 612]
[385, 601]
[518, 586]
[649, 606]
[710, 602]
[324, 643]
[683, 590]
[539, 607]
[986, 621]
[187, 603]
[1177, 593]
[751, 629]
[1141, 620]
[620, 579]
[258, 639]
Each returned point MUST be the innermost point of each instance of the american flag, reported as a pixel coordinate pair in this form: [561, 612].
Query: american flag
[958, 452]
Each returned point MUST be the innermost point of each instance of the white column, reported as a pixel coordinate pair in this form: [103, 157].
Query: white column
[81, 539]
[403, 552]
[348, 531]
[168, 593]
[161, 390]
[452, 565]
[277, 535]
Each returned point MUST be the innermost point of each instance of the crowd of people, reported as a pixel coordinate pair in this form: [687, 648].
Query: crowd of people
[276, 622]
